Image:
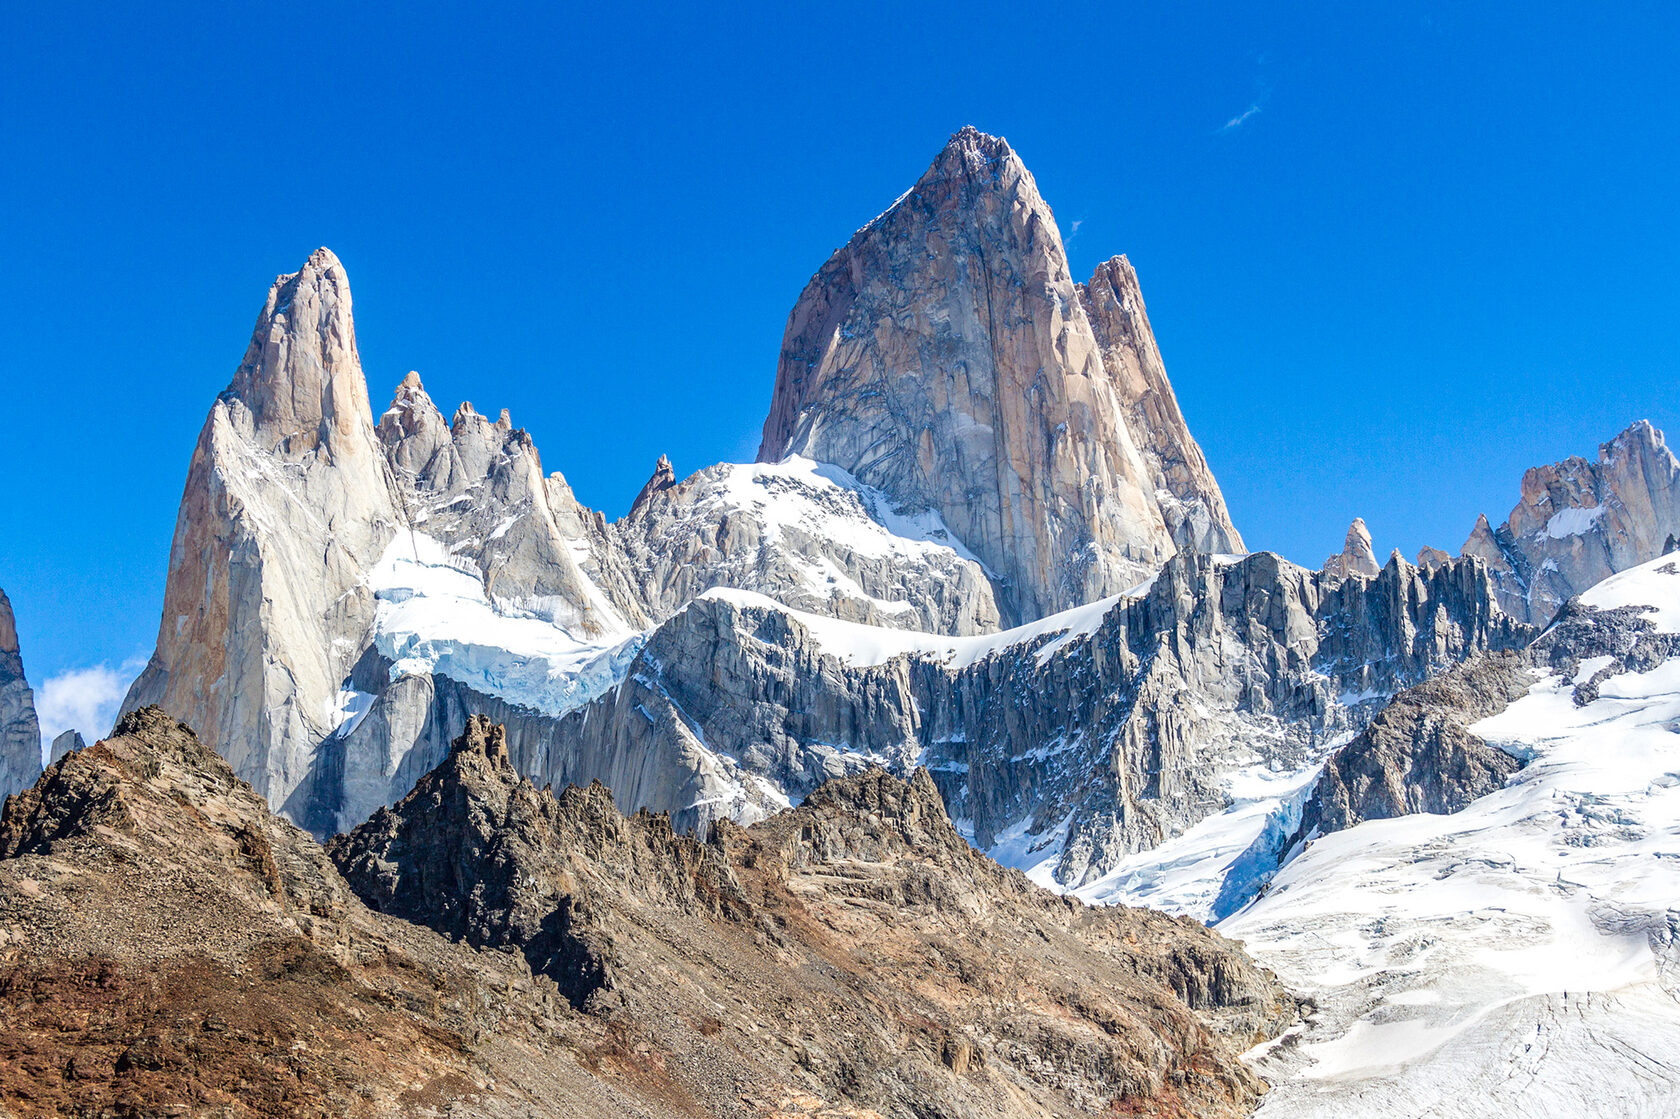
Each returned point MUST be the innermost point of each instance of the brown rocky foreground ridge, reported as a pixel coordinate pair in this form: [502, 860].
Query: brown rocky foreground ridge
[168, 946]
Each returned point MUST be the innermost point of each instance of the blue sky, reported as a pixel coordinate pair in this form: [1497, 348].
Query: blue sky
[1393, 258]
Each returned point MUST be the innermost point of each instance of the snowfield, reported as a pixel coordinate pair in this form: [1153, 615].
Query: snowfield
[434, 617]
[1521, 957]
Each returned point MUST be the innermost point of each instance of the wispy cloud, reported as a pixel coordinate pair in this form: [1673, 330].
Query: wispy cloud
[84, 699]
[1238, 120]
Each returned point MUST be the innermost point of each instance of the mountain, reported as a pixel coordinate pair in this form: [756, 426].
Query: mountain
[332, 580]
[1064, 746]
[945, 357]
[344, 590]
[1579, 522]
[834, 948]
[1512, 947]
[20, 731]
[288, 503]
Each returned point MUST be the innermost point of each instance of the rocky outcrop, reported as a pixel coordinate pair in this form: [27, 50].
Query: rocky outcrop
[1417, 754]
[944, 358]
[833, 951]
[1579, 522]
[288, 503]
[169, 946]
[478, 487]
[1431, 557]
[1356, 557]
[1190, 500]
[66, 743]
[20, 730]
[808, 535]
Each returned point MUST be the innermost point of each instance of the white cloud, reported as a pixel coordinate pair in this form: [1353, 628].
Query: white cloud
[83, 699]
[1237, 121]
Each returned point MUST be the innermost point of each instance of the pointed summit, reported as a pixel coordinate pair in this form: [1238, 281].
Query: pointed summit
[663, 478]
[302, 377]
[1580, 521]
[288, 502]
[1190, 499]
[20, 731]
[943, 357]
[1357, 557]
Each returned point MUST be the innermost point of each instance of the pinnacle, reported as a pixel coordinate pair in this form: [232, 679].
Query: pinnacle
[975, 147]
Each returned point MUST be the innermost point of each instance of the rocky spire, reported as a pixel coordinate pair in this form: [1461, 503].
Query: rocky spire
[943, 357]
[664, 477]
[302, 377]
[288, 502]
[66, 743]
[1190, 499]
[1580, 521]
[1357, 557]
[478, 487]
[20, 731]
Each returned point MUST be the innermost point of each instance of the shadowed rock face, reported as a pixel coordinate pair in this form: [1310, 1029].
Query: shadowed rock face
[854, 950]
[20, 731]
[1418, 753]
[1579, 522]
[943, 356]
[1105, 744]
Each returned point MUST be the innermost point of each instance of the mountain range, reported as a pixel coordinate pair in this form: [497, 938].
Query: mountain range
[732, 777]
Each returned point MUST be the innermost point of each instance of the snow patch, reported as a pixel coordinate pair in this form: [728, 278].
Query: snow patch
[1574, 521]
[864, 646]
[433, 617]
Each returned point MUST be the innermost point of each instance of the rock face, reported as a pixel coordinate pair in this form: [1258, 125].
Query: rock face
[1579, 522]
[1190, 500]
[1084, 739]
[288, 503]
[20, 731]
[853, 952]
[944, 357]
[1417, 754]
[168, 943]
[1356, 557]
[478, 487]
[66, 743]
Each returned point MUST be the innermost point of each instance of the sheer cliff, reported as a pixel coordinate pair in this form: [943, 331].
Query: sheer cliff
[1580, 521]
[20, 730]
[945, 356]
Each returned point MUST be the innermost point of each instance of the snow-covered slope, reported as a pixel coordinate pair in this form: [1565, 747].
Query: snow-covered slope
[433, 616]
[1521, 957]
[810, 536]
